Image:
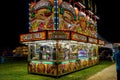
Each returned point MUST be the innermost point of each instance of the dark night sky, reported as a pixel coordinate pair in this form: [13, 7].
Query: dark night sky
[108, 25]
[15, 21]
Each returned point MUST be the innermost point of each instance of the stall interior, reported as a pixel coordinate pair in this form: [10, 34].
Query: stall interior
[49, 49]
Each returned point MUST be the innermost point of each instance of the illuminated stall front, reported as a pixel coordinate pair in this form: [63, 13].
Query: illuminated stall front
[57, 52]
[59, 41]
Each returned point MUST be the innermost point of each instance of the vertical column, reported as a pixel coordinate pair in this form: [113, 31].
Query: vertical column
[28, 14]
[29, 53]
[56, 15]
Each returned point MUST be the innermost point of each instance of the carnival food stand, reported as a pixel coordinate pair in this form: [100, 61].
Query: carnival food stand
[59, 42]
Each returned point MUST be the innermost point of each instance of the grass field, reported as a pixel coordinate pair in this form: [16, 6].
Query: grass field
[17, 70]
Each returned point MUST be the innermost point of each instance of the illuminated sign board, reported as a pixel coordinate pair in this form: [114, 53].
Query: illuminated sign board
[92, 40]
[59, 35]
[78, 37]
[33, 36]
[101, 42]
